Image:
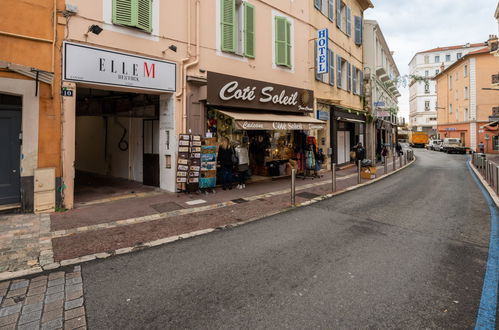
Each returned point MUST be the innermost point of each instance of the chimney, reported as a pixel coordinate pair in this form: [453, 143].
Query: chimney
[493, 42]
[467, 45]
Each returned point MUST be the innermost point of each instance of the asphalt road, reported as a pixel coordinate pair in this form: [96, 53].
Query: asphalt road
[408, 252]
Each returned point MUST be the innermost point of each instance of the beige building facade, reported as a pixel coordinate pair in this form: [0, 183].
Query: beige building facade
[465, 101]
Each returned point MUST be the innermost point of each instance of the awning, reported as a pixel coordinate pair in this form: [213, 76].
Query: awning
[271, 121]
[491, 124]
[351, 120]
[46, 77]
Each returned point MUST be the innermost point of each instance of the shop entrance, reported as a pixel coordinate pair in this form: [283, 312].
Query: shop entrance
[117, 144]
[10, 149]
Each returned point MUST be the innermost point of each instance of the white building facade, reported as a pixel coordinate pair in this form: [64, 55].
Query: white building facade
[381, 74]
[422, 92]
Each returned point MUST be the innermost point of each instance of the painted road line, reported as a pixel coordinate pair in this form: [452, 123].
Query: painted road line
[486, 318]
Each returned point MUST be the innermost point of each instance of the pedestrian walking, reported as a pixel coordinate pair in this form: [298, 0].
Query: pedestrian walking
[398, 148]
[384, 153]
[242, 166]
[225, 159]
[481, 147]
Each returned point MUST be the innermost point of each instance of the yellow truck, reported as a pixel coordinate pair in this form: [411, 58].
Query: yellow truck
[418, 139]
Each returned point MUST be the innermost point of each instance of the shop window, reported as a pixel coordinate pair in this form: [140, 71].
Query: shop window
[282, 41]
[495, 143]
[137, 14]
[237, 20]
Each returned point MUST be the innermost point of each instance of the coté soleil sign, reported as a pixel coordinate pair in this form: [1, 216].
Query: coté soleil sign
[94, 65]
[232, 91]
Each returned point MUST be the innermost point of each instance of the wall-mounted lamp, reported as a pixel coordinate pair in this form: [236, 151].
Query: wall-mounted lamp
[95, 29]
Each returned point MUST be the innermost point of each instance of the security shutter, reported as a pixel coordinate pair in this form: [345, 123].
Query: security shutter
[361, 83]
[280, 41]
[228, 26]
[331, 68]
[249, 30]
[330, 11]
[338, 14]
[135, 13]
[358, 30]
[318, 76]
[288, 43]
[349, 21]
[338, 70]
[354, 80]
[144, 15]
[349, 76]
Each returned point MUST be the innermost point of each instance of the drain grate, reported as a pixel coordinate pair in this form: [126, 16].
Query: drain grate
[307, 195]
[166, 207]
[239, 200]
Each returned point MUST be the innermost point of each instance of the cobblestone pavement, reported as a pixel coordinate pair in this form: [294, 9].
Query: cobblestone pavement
[53, 301]
[25, 242]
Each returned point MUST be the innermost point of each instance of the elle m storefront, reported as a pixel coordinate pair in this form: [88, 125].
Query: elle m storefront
[119, 125]
[272, 120]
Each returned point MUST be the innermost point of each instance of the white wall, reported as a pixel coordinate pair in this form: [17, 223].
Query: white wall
[90, 143]
[167, 142]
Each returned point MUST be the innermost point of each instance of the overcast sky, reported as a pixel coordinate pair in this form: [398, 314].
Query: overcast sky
[417, 25]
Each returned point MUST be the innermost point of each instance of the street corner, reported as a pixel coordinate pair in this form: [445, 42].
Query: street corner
[48, 301]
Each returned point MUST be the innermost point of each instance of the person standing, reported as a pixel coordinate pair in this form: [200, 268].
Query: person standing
[398, 148]
[243, 164]
[360, 153]
[226, 162]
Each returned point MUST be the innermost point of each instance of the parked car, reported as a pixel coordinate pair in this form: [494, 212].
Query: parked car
[434, 144]
[405, 146]
[453, 146]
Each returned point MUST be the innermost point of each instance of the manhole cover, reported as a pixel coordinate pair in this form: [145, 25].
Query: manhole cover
[166, 207]
[239, 200]
[307, 195]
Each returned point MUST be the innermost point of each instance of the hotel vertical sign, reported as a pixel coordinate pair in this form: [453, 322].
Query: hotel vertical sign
[322, 51]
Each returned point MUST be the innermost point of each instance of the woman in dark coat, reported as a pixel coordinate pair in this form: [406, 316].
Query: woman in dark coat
[225, 160]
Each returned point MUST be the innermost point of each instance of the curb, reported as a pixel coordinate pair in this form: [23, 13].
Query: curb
[103, 255]
[485, 184]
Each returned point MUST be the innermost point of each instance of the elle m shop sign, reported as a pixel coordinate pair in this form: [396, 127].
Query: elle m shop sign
[93, 65]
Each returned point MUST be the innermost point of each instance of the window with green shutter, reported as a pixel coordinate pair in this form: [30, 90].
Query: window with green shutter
[228, 25]
[249, 30]
[282, 41]
[133, 13]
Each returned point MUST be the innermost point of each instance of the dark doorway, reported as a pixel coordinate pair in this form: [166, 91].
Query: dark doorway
[10, 149]
[151, 152]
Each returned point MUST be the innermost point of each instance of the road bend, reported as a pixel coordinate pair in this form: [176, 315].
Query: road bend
[408, 252]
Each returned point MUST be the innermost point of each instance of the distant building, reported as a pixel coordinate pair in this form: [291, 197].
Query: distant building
[381, 74]
[466, 103]
[422, 94]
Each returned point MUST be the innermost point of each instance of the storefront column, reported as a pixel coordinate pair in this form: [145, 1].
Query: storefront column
[167, 143]
[68, 145]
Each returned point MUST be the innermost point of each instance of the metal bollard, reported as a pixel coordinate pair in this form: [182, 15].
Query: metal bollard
[359, 180]
[385, 164]
[400, 161]
[333, 178]
[394, 164]
[293, 187]
[486, 169]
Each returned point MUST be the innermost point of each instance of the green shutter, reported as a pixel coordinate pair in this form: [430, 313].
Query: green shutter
[288, 43]
[280, 40]
[122, 12]
[144, 15]
[249, 30]
[228, 26]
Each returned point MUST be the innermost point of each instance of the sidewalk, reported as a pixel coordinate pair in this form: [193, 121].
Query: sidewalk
[122, 225]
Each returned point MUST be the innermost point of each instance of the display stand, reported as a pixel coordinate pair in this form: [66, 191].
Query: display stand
[188, 163]
[208, 177]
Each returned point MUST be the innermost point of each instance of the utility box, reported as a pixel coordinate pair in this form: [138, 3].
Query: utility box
[368, 172]
[44, 189]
